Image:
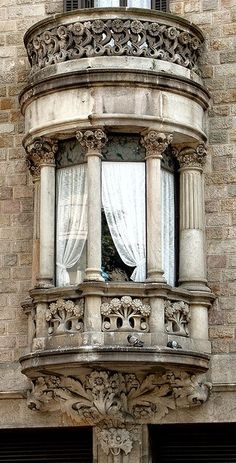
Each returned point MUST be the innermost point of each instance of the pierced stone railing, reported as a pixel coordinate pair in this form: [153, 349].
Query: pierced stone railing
[125, 34]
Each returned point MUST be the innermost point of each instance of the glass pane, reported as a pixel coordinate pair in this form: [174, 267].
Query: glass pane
[69, 153]
[123, 147]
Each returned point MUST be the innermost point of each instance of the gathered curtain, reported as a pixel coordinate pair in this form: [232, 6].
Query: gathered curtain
[123, 200]
[168, 226]
[71, 228]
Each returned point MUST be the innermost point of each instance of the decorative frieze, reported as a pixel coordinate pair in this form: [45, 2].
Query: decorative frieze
[177, 318]
[114, 397]
[125, 314]
[65, 317]
[156, 143]
[192, 156]
[92, 139]
[40, 151]
[114, 37]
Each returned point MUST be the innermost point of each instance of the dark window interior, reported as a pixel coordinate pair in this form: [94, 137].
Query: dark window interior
[161, 5]
[193, 443]
[48, 445]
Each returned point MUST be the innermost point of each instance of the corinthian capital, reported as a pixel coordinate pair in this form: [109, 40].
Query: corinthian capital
[40, 150]
[192, 156]
[92, 139]
[155, 143]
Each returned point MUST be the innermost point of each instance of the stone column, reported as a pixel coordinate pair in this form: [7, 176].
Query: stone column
[155, 144]
[192, 268]
[41, 159]
[93, 141]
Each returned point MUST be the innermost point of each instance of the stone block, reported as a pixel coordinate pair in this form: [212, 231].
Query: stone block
[209, 5]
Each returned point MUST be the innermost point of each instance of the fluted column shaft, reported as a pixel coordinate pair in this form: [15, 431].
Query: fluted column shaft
[93, 141]
[155, 144]
[192, 268]
[41, 158]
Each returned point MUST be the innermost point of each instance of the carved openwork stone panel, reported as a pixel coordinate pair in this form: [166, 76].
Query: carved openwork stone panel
[114, 397]
[125, 314]
[114, 37]
[177, 318]
[65, 317]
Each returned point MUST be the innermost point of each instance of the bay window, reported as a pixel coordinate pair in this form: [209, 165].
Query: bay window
[124, 204]
[161, 5]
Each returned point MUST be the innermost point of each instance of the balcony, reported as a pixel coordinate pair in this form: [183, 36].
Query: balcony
[95, 73]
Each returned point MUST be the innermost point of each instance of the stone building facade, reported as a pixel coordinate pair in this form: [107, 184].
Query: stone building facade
[118, 356]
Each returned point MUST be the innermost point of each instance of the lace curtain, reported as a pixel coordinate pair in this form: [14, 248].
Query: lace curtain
[71, 219]
[168, 226]
[123, 199]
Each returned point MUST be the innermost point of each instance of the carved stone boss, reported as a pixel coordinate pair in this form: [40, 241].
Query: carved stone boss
[117, 37]
[112, 398]
[41, 153]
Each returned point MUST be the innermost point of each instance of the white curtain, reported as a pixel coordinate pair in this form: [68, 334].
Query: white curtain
[123, 198]
[71, 219]
[168, 226]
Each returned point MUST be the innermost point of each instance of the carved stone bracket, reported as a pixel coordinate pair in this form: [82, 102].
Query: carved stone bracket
[40, 151]
[177, 317]
[117, 440]
[92, 139]
[125, 314]
[115, 398]
[117, 37]
[65, 317]
[155, 143]
[192, 157]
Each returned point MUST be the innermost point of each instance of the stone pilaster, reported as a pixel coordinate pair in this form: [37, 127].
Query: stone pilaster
[41, 161]
[192, 268]
[93, 141]
[155, 144]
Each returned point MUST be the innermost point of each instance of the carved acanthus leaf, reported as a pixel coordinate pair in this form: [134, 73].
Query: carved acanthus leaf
[125, 314]
[108, 397]
[192, 157]
[114, 37]
[155, 143]
[41, 150]
[177, 318]
[92, 139]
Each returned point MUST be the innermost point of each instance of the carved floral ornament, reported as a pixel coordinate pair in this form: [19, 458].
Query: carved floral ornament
[92, 139]
[117, 440]
[41, 150]
[177, 318]
[192, 156]
[117, 37]
[65, 317]
[112, 398]
[125, 314]
[156, 143]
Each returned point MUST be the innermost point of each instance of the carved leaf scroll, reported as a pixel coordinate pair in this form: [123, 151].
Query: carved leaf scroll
[114, 37]
[114, 398]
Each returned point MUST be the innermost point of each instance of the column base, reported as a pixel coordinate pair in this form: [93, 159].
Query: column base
[155, 276]
[44, 283]
[93, 274]
[194, 285]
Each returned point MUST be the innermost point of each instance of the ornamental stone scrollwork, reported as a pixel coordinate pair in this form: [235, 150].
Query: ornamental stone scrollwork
[125, 314]
[177, 318]
[192, 157]
[65, 317]
[117, 440]
[114, 37]
[92, 139]
[41, 150]
[155, 143]
[113, 398]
